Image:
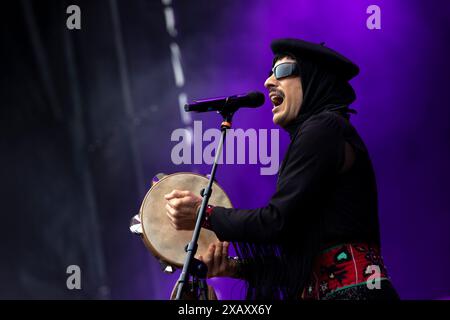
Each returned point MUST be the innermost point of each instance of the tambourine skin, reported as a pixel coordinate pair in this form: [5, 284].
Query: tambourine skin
[166, 243]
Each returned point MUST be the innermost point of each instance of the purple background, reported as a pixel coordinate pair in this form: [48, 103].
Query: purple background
[403, 114]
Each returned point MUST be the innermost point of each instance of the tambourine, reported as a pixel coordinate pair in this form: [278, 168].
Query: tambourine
[164, 242]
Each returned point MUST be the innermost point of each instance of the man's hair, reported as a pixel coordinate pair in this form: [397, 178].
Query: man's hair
[282, 55]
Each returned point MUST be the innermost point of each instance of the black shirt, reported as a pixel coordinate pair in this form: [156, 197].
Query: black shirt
[314, 200]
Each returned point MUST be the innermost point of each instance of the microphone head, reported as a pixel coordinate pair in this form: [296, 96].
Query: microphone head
[255, 99]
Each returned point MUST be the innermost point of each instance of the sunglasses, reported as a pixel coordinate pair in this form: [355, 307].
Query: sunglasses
[284, 70]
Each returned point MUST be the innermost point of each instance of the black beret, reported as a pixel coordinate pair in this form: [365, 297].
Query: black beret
[317, 53]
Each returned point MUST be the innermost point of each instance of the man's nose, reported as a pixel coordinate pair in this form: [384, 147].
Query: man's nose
[270, 82]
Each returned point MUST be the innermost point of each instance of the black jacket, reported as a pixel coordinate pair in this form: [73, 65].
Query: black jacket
[312, 196]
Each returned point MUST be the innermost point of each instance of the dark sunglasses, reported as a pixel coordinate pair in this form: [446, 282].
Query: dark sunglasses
[284, 70]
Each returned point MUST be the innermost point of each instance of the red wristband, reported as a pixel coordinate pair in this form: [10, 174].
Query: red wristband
[207, 220]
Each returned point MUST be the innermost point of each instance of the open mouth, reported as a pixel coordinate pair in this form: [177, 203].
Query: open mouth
[277, 97]
[276, 100]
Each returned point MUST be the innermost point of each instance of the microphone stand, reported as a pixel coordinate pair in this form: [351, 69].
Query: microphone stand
[193, 266]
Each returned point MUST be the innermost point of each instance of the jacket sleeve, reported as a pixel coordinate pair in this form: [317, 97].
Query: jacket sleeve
[313, 158]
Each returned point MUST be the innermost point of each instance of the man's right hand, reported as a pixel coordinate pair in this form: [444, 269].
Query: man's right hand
[218, 262]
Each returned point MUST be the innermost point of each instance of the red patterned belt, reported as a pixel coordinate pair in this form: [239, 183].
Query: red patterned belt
[344, 266]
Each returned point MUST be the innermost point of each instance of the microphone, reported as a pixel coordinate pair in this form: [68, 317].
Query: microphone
[250, 100]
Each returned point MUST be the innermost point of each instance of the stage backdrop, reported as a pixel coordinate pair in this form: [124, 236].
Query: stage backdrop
[89, 107]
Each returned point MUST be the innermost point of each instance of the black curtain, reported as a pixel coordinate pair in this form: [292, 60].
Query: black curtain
[72, 133]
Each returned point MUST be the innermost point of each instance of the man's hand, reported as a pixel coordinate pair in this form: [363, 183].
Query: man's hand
[217, 261]
[182, 207]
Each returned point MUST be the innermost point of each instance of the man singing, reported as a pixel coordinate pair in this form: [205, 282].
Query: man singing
[318, 236]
